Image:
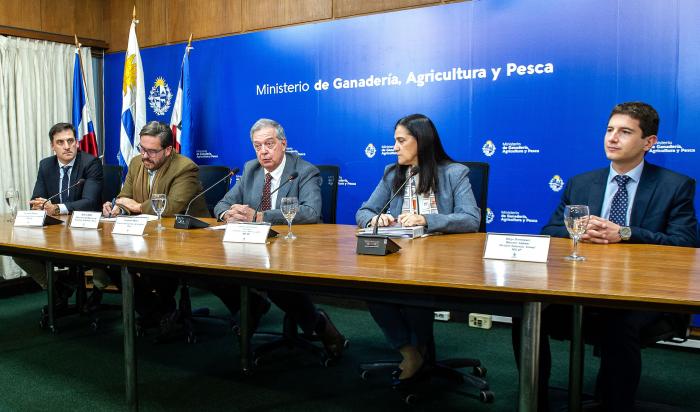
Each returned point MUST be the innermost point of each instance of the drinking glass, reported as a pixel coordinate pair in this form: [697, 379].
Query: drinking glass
[290, 207]
[12, 198]
[159, 201]
[576, 220]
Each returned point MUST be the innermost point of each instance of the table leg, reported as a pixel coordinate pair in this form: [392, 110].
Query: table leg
[529, 356]
[245, 335]
[129, 333]
[51, 293]
[576, 359]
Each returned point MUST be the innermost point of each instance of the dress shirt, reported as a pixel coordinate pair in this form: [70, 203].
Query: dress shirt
[61, 207]
[612, 187]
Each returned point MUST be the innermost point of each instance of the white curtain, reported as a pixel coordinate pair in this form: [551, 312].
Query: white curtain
[36, 92]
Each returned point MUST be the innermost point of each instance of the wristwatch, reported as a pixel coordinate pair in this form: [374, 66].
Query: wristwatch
[625, 233]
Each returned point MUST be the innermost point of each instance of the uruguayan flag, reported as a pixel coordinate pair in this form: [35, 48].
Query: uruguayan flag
[133, 101]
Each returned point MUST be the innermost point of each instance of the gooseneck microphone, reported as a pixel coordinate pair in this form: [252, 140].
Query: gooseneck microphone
[185, 221]
[76, 184]
[380, 245]
[291, 177]
[414, 171]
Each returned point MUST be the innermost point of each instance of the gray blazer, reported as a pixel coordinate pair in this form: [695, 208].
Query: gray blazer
[306, 187]
[457, 209]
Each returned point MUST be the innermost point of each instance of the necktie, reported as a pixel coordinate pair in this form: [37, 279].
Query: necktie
[618, 208]
[266, 202]
[64, 183]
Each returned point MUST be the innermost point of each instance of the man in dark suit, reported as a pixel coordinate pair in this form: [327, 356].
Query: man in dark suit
[60, 173]
[261, 176]
[631, 201]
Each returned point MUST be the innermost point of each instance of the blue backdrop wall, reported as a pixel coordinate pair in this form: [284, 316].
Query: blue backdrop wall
[526, 86]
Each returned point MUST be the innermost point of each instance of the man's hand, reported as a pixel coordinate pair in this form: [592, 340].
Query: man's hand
[411, 219]
[240, 213]
[52, 209]
[109, 211]
[36, 204]
[129, 204]
[601, 231]
[384, 220]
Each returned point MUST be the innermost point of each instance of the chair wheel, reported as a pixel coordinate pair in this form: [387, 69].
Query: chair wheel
[327, 362]
[479, 371]
[140, 331]
[257, 361]
[247, 372]
[364, 375]
[486, 396]
[346, 344]
[95, 325]
[53, 329]
[191, 338]
[43, 323]
[411, 399]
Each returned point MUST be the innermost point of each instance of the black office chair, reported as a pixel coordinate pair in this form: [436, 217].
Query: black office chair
[111, 182]
[450, 369]
[290, 336]
[208, 175]
[329, 192]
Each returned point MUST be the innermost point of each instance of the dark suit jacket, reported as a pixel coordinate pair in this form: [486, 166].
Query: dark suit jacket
[85, 197]
[662, 212]
[306, 187]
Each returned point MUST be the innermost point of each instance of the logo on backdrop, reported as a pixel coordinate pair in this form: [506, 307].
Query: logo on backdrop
[345, 182]
[388, 150]
[556, 183]
[370, 150]
[160, 96]
[516, 217]
[516, 148]
[205, 154]
[488, 148]
[292, 150]
[667, 146]
[489, 215]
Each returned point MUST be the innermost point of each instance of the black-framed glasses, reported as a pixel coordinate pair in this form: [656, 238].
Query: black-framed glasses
[270, 144]
[149, 152]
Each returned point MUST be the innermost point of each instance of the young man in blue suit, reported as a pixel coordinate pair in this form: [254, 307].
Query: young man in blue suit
[631, 201]
[56, 174]
[261, 177]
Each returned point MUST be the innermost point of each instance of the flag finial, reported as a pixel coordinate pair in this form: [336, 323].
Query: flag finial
[133, 15]
[77, 44]
[189, 42]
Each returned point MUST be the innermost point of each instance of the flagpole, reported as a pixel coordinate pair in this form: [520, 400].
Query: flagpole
[82, 71]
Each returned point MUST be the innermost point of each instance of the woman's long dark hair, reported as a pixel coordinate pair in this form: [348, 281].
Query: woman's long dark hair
[430, 153]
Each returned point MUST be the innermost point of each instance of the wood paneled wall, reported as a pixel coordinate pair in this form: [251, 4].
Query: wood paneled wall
[106, 22]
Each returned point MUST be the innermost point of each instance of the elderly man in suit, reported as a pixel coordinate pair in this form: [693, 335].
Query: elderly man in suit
[158, 169]
[631, 201]
[60, 173]
[261, 177]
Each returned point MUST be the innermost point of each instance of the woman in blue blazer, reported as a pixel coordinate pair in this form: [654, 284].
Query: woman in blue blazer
[439, 198]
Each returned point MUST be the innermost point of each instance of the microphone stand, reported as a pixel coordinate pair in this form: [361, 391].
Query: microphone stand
[50, 220]
[186, 221]
[376, 244]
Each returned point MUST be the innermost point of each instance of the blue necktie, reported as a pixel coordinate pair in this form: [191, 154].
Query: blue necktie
[64, 183]
[618, 208]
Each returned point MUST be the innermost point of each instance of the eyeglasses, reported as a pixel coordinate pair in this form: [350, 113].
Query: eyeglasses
[149, 152]
[270, 144]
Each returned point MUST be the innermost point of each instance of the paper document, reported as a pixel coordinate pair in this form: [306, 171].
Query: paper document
[396, 231]
[114, 219]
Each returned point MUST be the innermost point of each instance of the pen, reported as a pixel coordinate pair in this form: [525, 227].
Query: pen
[114, 203]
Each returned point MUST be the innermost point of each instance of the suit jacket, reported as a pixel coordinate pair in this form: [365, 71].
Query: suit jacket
[457, 209]
[662, 212]
[180, 183]
[306, 187]
[85, 197]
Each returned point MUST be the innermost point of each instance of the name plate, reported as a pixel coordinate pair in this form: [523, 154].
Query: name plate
[30, 218]
[525, 248]
[86, 220]
[246, 232]
[127, 225]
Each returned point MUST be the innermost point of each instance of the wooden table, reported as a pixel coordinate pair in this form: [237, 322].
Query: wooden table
[323, 256]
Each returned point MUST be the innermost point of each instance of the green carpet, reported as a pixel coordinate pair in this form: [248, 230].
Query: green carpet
[81, 370]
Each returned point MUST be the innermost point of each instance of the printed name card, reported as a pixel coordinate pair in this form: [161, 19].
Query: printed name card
[30, 218]
[246, 232]
[127, 225]
[86, 220]
[525, 248]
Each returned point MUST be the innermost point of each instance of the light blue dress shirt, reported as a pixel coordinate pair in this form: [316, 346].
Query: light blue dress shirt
[612, 187]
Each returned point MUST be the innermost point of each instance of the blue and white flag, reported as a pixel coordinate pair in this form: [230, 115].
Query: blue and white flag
[181, 119]
[133, 116]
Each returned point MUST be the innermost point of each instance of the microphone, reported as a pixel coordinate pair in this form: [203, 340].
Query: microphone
[291, 177]
[414, 171]
[376, 244]
[185, 221]
[78, 183]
